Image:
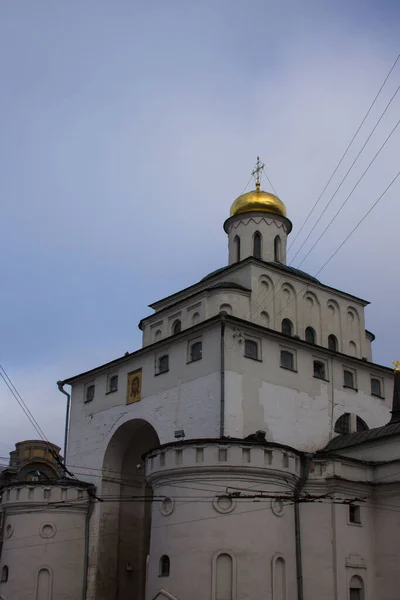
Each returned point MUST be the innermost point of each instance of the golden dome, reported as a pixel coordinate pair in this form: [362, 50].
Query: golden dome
[258, 200]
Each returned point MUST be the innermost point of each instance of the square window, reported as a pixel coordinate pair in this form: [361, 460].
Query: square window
[349, 379]
[89, 394]
[163, 364]
[319, 369]
[287, 360]
[251, 349]
[196, 351]
[112, 383]
[354, 514]
[376, 387]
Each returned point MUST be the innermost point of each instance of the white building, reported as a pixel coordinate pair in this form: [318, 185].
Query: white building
[243, 452]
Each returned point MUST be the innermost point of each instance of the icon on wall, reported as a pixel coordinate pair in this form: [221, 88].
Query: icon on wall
[134, 386]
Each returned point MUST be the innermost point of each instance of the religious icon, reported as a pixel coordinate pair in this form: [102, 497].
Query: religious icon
[134, 393]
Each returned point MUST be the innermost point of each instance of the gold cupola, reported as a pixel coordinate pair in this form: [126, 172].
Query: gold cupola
[258, 200]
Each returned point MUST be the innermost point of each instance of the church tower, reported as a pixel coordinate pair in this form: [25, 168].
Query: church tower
[257, 225]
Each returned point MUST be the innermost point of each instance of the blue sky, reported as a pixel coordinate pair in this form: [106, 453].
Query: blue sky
[128, 128]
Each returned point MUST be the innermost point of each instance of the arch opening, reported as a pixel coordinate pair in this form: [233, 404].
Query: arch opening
[257, 245]
[277, 249]
[124, 527]
[236, 249]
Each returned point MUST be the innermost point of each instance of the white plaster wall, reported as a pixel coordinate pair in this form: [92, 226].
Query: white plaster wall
[25, 551]
[293, 407]
[246, 225]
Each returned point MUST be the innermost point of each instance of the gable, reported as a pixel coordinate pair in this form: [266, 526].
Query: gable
[162, 594]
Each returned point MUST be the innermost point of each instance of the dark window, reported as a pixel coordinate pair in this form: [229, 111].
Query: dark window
[164, 566]
[251, 349]
[287, 327]
[354, 514]
[348, 379]
[355, 594]
[376, 387]
[196, 351]
[277, 249]
[356, 588]
[342, 425]
[113, 383]
[319, 369]
[177, 326]
[236, 244]
[361, 425]
[311, 336]
[287, 360]
[163, 364]
[257, 245]
[332, 343]
[90, 392]
[4, 574]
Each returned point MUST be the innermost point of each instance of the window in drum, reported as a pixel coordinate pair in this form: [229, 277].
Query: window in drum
[251, 349]
[277, 249]
[319, 369]
[257, 241]
[287, 360]
[196, 351]
[236, 245]
[176, 327]
[311, 336]
[333, 343]
[163, 363]
[165, 565]
[287, 327]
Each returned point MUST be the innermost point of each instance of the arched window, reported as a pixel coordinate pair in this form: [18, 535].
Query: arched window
[157, 334]
[224, 574]
[177, 326]
[164, 566]
[195, 318]
[163, 363]
[311, 336]
[333, 343]
[236, 248]
[277, 249]
[4, 574]
[352, 348]
[196, 351]
[356, 588]
[287, 327]
[342, 425]
[257, 245]
[361, 425]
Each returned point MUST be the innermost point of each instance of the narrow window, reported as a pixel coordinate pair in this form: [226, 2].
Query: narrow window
[164, 566]
[251, 349]
[90, 392]
[376, 387]
[113, 383]
[257, 245]
[342, 425]
[236, 246]
[333, 343]
[163, 363]
[356, 588]
[196, 351]
[354, 514]
[287, 327]
[277, 249]
[361, 425]
[222, 454]
[319, 369]
[311, 336]
[176, 327]
[287, 360]
[348, 379]
[4, 574]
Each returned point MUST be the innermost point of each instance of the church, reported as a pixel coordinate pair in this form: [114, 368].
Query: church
[249, 449]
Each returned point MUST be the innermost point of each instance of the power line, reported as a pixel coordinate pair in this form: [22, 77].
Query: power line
[345, 152]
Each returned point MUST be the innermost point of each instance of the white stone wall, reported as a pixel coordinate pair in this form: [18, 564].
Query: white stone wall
[44, 529]
[294, 407]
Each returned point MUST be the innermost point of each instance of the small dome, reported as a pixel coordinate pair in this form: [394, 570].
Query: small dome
[258, 200]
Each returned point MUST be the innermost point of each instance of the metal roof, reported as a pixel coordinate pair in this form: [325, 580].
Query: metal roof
[354, 439]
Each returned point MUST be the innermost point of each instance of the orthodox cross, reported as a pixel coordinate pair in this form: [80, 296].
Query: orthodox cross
[256, 173]
[396, 365]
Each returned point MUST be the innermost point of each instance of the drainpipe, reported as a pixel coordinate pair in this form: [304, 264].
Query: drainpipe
[86, 555]
[60, 385]
[222, 370]
[305, 469]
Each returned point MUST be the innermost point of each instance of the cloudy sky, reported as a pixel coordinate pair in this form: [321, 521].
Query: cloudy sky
[129, 127]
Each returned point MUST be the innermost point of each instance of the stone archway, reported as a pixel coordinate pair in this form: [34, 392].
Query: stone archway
[125, 514]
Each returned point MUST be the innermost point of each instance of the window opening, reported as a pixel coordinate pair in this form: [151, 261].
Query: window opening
[257, 245]
[311, 336]
[163, 363]
[287, 360]
[251, 349]
[319, 369]
[287, 327]
[277, 249]
[236, 243]
[354, 514]
[196, 351]
[4, 574]
[89, 393]
[376, 387]
[361, 425]
[177, 327]
[332, 342]
[348, 379]
[113, 383]
[342, 425]
[164, 566]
